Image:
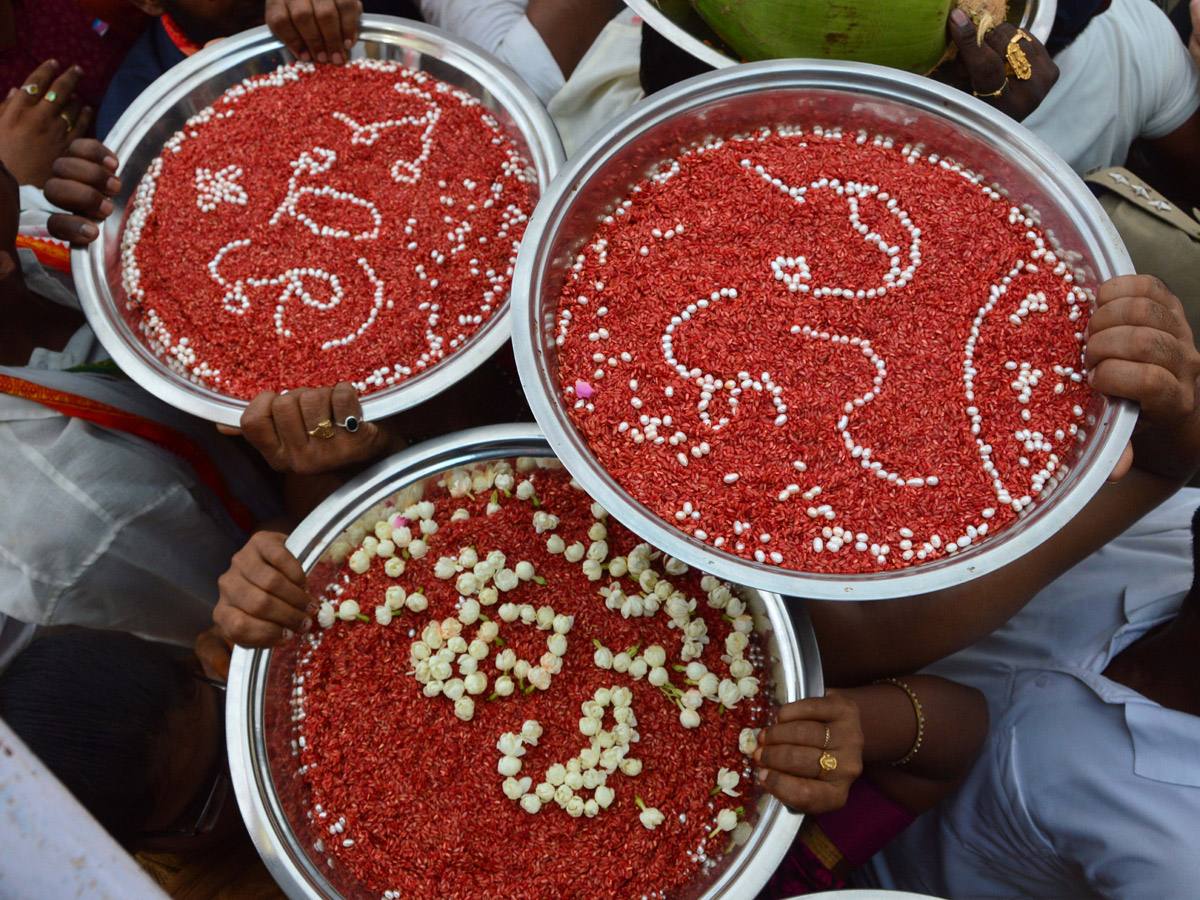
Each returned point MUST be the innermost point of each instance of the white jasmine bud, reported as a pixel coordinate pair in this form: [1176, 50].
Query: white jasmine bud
[440, 670]
[597, 532]
[505, 579]
[475, 683]
[445, 567]
[509, 612]
[575, 807]
[744, 623]
[563, 795]
[574, 780]
[417, 549]
[467, 664]
[504, 686]
[638, 668]
[385, 550]
[551, 663]
[673, 566]
[555, 544]
[659, 676]
[454, 688]
[747, 686]
[468, 557]
[741, 667]
[727, 781]
[557, 644]
[469, 613]
[655, 655]
[506, 659]
[417, 602]
[621, 662]
[631, 767]
[574, 553]
[544, 617]
[432, 689]
[394, 567]
[531, 730]
[369, 546]
[464, 708]
[508, 765]
[692, 699]
[477, 649]
[727, 820]
[556, 774]
[736, 643]
[622, 696]
[347, 610]
[488, 596]
[383, 615]
[531, 803]
[402, 536]
[394, 598]
[708, 685]
[617, 566]
[466, 584]
[512, 788]
[748, 741]
[539, 678]
[326, 615]
[562, 624]
[728, 693]
[525, 490]
[650, 817]
[605, 796]
[524, 570]
[603, 658]
[545, 791]
[689, 718]
[521, 669]
[457, 644]
[359, 562]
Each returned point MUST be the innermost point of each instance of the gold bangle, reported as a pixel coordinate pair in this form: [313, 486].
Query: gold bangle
[995, 93]
[920, 717]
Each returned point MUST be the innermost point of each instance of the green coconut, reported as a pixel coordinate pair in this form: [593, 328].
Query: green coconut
[903, 34]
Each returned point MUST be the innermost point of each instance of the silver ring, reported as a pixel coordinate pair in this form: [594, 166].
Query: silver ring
[31, 89]
[350, 424]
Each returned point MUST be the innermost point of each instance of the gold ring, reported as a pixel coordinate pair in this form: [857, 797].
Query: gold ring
[67, 119]
[31, 89]
[995, 93]
[826, 744]
[1016, 62]
[828, 762]
[51, 96]
[323, 430]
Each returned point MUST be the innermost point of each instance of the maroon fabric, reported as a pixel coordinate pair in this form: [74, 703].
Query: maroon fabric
[859, 830]
[62, 30]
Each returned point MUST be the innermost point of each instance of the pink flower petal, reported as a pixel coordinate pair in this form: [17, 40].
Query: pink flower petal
[584, 391]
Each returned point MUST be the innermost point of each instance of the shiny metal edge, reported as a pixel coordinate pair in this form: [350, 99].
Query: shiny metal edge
[286, 860]
[682, 26]
[89, 266]
[926, 95]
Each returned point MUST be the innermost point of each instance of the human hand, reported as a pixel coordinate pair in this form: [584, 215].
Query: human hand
[281, 427]
[84, 178]
[985, 65]
[262, 597]
[36, 128]
[315, 29]
[789, 753]
[1140, 347]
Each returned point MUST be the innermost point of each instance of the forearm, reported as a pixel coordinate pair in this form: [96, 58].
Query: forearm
[863, 641]
[570, 26]
[955, 723]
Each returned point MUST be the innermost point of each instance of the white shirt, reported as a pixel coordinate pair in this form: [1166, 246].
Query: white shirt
[103, 529]
[501, 28]
[1084, 788]
[1126, 76]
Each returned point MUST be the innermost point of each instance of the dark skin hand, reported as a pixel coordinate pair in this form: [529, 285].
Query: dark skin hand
[263, 601]
[321, 30]
[83, 181]
[278, 426]
[980, 68]
[35, 129]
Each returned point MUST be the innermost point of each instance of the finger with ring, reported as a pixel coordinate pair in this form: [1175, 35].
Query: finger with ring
[67, 119]
[324, 430]
[1016, 62]
[51, 97]
[828, 762]
[351, 424]
[825, 745]
[31, 89]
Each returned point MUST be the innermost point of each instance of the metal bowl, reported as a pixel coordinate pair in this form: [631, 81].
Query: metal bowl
[679, 23]
[258, 717]
[808, 93]
[184, 90]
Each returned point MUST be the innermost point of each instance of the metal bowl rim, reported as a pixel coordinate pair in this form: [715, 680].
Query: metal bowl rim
[924, 95]
[286, 860]
[127, 348]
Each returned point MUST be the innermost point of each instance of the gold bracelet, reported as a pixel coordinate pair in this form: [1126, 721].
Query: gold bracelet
[920, 717]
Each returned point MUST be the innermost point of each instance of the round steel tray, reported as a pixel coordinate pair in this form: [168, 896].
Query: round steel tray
[184, 90]
[808, 93]
[257, 717]
[679, 23]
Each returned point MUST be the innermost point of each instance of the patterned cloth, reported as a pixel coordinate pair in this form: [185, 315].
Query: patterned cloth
[63, 30]
[830, 846]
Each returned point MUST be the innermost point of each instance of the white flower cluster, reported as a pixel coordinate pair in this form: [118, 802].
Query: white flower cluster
[393, 539]
[589, 771]
[440, 648]
[472, 574]
[550, 664]
[461, 482]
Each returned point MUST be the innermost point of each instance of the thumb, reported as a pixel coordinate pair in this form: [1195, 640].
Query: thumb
[229, 430]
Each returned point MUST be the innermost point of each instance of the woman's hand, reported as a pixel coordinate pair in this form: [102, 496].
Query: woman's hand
[39, 121]
[263, 600]
[307, 431]
[84, 179]
[986, 65]
[790, 752]
[1140, 347]
[323, 30]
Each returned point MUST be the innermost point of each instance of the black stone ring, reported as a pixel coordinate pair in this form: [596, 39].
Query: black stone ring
[351, 424]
